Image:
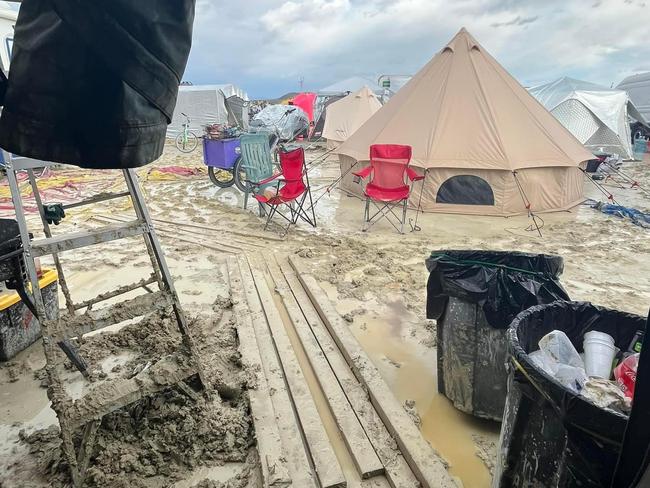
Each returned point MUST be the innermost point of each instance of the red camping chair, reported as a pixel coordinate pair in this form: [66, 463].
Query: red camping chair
[291, 191]
[388, 186]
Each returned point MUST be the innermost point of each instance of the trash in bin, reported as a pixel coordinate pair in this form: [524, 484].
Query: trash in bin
[551, 436]
[606, 394]
[557, 357]
[474, 295]
[625, 374]
[599, 354]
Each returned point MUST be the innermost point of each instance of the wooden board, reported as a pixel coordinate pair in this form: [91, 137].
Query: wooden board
[397, 471]
[327, 467]
[423, 460]
[293, 446]
[275, 471]
[361, 450]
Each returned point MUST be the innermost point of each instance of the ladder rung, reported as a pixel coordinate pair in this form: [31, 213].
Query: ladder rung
[111, 315]
[66, 242]
[21, 163]
[96, 199]
[115, 394]
[114, 293]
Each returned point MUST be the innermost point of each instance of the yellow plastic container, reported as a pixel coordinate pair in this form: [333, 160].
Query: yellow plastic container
[18, 326]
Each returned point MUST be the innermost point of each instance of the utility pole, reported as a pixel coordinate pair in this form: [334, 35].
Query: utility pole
[301, 81]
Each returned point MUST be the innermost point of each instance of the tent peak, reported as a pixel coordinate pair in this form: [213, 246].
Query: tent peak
[463, 39]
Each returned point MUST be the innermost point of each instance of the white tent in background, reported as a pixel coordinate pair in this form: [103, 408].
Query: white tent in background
[597, 116]
[345, 116]
[350, 85]
[638, 87]
[209, 104]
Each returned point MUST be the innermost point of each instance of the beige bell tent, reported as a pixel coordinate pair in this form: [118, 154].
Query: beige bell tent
[482, 139]
[345, 116]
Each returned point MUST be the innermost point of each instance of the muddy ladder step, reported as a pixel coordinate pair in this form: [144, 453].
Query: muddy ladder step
[115, 394]
[78, 325]
[77, 240]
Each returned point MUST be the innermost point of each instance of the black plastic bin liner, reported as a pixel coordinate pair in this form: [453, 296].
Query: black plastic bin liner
[551, 437]
[503, 283]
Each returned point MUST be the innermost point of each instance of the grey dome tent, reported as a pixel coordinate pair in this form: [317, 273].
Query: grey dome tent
[596, 115]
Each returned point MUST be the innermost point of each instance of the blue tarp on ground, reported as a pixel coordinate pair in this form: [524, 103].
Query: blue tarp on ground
[636, 216]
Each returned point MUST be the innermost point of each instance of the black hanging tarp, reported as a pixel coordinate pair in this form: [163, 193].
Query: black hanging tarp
[94, 83]
[503, 283]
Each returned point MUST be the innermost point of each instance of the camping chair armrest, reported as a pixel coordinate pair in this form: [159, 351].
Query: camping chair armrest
[268, 180]
[412, 175]
[363, 173]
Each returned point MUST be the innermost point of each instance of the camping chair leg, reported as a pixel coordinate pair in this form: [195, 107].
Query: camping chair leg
[262, 210]
[366, 216]
[270, 216]
[248, 190]
[403, 216]
[311, 202]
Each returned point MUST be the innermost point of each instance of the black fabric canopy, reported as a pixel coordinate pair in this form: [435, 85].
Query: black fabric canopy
[95, 83]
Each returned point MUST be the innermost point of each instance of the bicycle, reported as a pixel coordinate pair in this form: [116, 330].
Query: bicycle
[186, 140]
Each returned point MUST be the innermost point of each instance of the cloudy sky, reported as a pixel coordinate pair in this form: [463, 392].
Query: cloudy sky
[267, 46]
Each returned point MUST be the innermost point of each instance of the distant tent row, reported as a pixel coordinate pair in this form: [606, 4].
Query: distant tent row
[209, 104]
[597, 116]
[485, 144]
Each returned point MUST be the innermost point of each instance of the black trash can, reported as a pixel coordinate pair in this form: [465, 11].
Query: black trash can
[551, 437]
[474, 295]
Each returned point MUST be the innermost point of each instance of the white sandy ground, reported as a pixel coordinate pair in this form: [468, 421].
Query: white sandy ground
[377, 279]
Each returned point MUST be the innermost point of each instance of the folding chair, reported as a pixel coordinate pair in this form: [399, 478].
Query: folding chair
[292, 190]
[388, 187]
[257, 162]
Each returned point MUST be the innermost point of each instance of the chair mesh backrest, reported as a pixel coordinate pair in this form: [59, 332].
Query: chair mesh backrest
[389, 163]
[292, 163]
[256, 156]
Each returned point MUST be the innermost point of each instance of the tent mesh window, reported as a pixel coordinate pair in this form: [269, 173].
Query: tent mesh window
[465, 190]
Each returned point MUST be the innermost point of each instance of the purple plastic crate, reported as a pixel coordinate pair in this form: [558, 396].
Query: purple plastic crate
[221, 153]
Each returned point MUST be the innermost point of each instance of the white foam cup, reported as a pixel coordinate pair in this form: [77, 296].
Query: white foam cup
[599, 354]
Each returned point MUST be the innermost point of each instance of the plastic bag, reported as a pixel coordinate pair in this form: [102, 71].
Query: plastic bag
[558, 358]
[625, 374]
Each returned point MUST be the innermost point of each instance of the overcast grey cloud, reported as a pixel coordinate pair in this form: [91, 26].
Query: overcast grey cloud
[267, 46]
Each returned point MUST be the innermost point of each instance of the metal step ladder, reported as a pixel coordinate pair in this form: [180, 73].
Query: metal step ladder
[88, 411]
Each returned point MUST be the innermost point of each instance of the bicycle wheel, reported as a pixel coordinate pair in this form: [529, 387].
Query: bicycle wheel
[223, 178]
[240, 176]
[187, 144]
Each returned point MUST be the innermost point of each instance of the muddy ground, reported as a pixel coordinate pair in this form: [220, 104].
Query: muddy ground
[377, 279]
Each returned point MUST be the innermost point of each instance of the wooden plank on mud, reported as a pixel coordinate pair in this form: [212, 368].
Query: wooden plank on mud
[397, 471]
[293, 446]
[361, 450]
[327, 467]
[275, 471]
[423, 460]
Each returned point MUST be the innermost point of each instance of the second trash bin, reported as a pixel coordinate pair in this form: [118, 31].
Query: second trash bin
[474, 295]
[552, 437]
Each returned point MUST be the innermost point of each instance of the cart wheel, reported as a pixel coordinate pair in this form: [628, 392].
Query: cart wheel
[223, 178]
[240, 176]
[187, 144]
